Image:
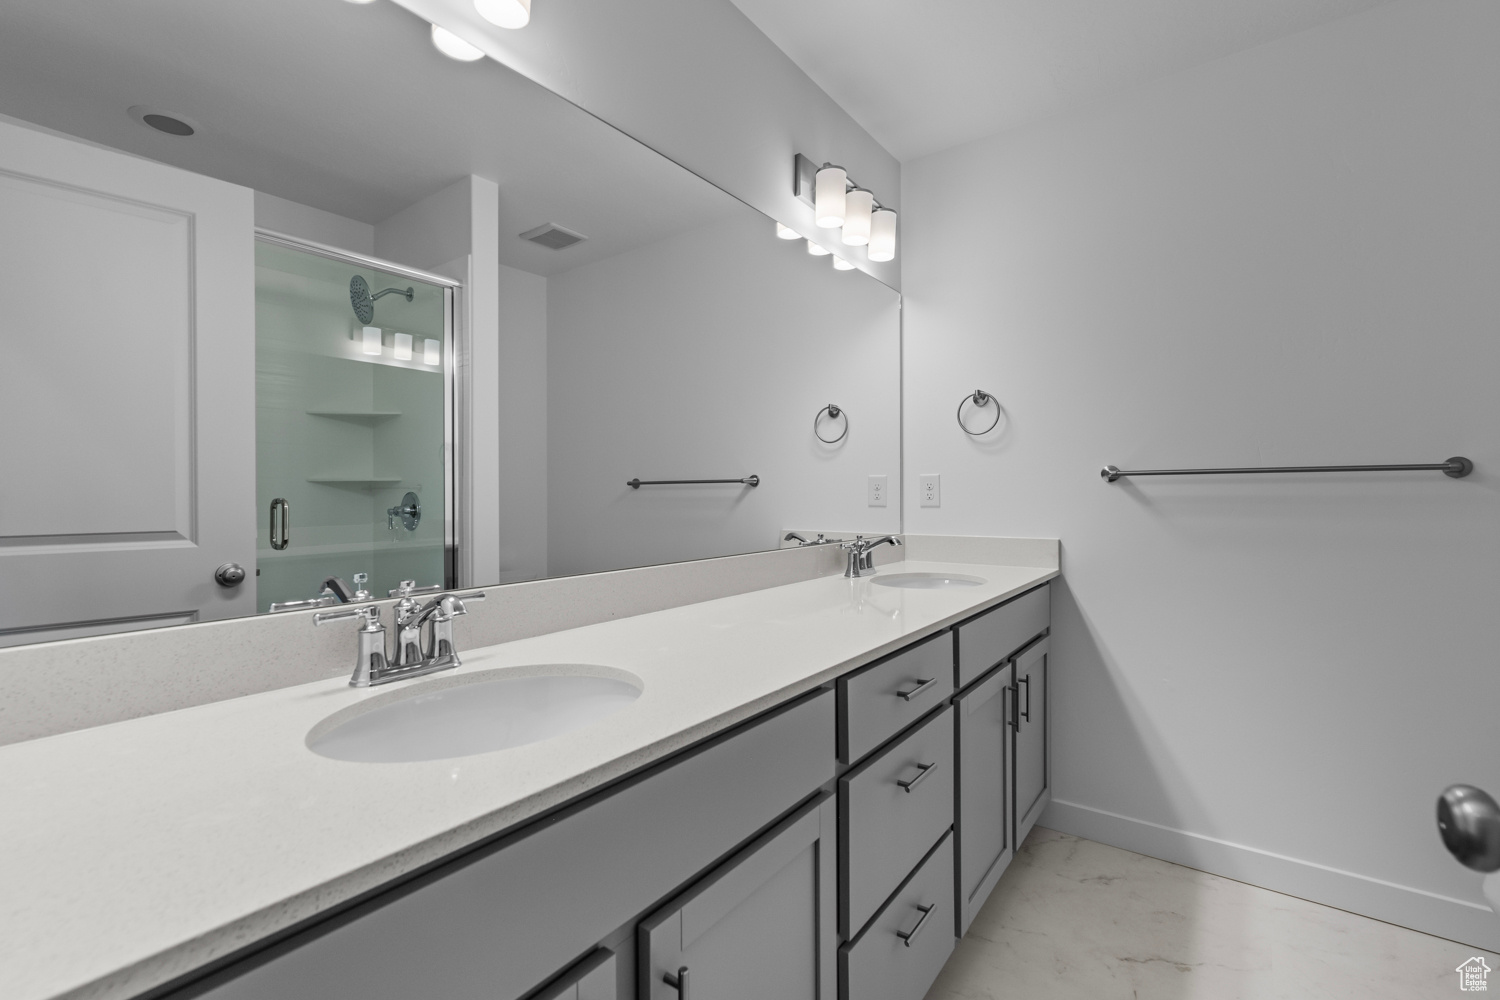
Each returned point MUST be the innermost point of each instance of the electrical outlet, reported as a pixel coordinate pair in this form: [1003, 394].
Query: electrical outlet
[930, 490]
[875, 491]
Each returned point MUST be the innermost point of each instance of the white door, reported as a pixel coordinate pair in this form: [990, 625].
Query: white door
[127, 391]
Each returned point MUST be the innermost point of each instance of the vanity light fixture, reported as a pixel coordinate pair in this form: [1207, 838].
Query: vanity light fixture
[403, 347]
[454, 47]
[816, 250]
[828, 195]
[839, 202]
[840, 264]
[883, 235]
[360, 1]
[505, 13]
[787, 233]
[859, 204]
[432, 352]
[372, 340]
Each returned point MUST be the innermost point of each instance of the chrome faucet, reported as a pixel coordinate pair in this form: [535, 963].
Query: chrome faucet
[412, 656]
[861, 553]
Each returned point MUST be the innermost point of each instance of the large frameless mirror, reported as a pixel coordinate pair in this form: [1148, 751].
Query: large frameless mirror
[300, 309]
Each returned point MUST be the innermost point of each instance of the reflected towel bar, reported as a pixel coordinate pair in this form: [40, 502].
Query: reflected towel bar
[636, 484]
[1456, 467]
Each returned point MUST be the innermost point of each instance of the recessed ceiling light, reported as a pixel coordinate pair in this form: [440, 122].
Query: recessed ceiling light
[505, 13]
[171, 124]
[454, 47]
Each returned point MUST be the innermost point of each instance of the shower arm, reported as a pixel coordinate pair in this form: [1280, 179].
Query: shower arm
[405, 293]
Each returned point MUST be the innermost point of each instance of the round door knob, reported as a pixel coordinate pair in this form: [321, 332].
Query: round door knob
[229, 575]
[1469, 821]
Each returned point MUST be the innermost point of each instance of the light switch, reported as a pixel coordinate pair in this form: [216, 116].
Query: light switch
[875, 490]
[930, 490]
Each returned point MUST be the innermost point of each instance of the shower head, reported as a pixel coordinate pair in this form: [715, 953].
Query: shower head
[364, 303]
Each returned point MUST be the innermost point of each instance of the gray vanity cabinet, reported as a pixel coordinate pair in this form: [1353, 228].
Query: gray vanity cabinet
[1033, 768]
[984, 810]
[501, 921]
[760, 925]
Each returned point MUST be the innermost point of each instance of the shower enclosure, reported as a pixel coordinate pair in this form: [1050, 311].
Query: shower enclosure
[354, 425]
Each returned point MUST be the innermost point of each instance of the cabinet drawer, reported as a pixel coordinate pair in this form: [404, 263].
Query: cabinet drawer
[889, 962]
[497, 922]
[881, 700]
[994, 635]
[892, 809]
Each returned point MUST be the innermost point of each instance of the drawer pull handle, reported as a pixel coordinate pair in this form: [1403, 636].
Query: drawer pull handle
[678, 982]
[907, 937]
[913, 692]
[926, 769]
[1026, 713]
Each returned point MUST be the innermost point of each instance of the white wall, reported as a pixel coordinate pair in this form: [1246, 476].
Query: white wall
[292, 218]
[523, 425]
[696, 81]
[1289, 256]
[706, 356]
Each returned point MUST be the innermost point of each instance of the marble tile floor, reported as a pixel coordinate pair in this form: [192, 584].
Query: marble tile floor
[1076, 920]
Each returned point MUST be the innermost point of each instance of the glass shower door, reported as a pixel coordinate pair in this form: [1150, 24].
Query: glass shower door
[353, 470]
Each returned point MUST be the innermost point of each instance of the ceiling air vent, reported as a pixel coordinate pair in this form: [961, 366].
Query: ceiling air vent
[553, 237]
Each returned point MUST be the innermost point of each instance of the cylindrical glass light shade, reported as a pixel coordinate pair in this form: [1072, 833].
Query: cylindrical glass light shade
[840, 264]
[828, 196]
[787, 233]
[505, 13]
[857, 217]
[372, 340]
[403, 347]
[454, 47]
[432, 352]
[883, 235]
[816, 250]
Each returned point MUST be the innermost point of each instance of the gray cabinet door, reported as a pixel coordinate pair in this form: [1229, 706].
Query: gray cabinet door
[760, 925]
[983, 807]
[1033, 768]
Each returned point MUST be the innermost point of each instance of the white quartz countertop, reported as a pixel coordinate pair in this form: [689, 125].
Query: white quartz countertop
[135, 852]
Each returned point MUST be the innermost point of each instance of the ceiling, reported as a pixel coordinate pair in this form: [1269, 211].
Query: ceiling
[344, 107]
[924, 75]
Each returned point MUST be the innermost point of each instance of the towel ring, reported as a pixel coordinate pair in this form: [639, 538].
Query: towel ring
[980, 398]
[833, 414]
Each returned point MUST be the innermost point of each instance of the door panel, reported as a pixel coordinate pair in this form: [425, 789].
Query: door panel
[129, 326]
[761, 925]
[1033, 773]
[983, 808]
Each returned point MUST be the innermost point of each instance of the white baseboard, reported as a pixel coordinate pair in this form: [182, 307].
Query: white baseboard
[1454, 919]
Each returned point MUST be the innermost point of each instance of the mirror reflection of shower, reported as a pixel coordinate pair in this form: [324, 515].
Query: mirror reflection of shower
[364, 303]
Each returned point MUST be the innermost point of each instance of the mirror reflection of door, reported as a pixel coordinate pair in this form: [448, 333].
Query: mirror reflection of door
[352, 470]
[126, 332]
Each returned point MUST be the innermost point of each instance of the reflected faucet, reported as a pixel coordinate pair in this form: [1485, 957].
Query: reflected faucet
[861, 553]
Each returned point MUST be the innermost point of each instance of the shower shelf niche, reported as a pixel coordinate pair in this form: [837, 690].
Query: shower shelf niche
[370, 415]
[357, 481]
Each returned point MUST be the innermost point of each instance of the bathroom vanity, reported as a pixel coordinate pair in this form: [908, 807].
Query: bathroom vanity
[817, 787]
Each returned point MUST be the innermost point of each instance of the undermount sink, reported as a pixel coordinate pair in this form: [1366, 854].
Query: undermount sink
[926, 581]
[463, 715]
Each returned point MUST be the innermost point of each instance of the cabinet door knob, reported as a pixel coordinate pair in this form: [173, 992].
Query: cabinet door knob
[679, 982]
[907, 937]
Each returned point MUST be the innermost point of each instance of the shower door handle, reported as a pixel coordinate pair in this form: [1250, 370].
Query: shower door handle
[280, 541]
